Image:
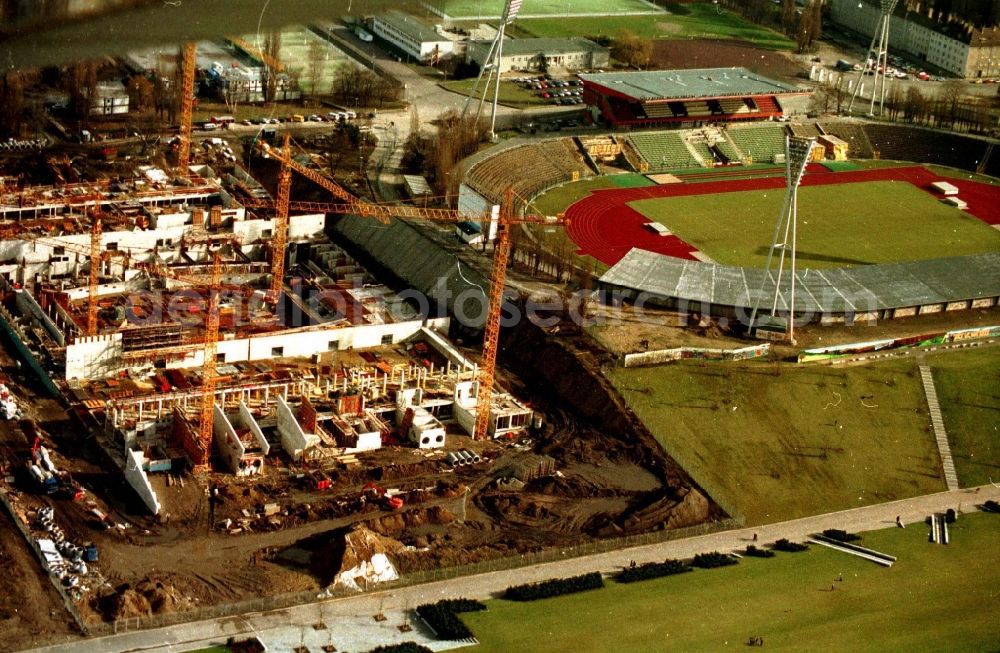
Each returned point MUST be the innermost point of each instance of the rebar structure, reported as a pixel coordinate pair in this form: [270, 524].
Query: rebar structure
[881, 61]
[797, 154]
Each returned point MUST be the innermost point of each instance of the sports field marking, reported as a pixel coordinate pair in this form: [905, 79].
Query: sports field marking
[839, 225]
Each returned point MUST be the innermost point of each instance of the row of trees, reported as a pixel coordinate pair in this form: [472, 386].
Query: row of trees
[435, 153]
[947, 106]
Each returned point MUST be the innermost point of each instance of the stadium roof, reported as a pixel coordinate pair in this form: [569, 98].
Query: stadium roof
[411, 26]
[693, 83]
[520, 47]
[835, 290]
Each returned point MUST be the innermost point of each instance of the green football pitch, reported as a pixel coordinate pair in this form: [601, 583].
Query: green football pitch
[935, 598]
[493, 8]
[839, 225]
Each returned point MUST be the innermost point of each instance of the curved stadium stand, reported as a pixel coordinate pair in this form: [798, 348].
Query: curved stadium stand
[528, 169]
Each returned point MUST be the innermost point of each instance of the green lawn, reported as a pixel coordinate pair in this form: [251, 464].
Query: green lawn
[968, 386]
[510, 94]
[703, 20]
[493, 8]
[935, 598]
[839, 225]
[779, 447]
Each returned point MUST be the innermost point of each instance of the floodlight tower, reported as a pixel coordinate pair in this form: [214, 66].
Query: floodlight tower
[881, 61]
[797, 153]
[492, 64]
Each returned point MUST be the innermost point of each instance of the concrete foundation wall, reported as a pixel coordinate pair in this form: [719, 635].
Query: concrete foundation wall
[29, 307]
[226, 442]
[93, 357]
[137, 478]
[294, 440]
[248, 421]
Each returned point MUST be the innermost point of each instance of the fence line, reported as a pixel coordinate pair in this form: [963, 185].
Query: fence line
[265, 604]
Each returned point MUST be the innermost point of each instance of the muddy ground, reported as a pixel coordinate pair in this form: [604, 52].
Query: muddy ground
[590, 472]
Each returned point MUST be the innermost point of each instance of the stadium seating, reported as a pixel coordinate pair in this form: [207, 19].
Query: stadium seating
[761, 142]
[858, 146]
[701, 149]
[734, 106]
[807, 130]
[528, 169]
[663, 150]
[658, 110]
[901, 143]
[728, 151]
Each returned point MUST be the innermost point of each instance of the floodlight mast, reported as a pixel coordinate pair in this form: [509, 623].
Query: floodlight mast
[797, 155]
[881, 62]
[493, 60]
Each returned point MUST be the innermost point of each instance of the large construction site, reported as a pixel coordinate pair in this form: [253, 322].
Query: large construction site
[203, 364]
[246, 363]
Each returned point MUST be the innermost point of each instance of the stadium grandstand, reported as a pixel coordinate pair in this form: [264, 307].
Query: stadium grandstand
[684, 97]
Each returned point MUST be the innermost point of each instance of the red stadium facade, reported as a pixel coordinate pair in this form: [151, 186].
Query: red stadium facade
[686, 98]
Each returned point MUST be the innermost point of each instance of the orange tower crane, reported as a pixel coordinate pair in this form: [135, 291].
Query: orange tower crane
[209, 378]
[280, 242]
[384, 212]
[95, 271]
[188, 61]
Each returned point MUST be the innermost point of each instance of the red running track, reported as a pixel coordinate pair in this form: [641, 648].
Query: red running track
[603, 225]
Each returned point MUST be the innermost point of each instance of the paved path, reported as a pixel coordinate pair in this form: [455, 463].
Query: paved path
[397, 602]
[940, 434]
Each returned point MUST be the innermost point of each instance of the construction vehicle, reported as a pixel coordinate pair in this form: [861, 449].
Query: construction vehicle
[319, 481]
[390, 502]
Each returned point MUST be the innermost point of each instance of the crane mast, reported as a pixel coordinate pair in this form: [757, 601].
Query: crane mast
[187, 106]
[209, 379]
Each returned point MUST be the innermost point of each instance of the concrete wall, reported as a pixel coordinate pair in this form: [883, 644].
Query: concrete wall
[294, 440]
[465, 405]
[229, 446]
[100, 356]
[93, 357]
[247, 420]
[30, 308]
[137, 478]
[426, 431]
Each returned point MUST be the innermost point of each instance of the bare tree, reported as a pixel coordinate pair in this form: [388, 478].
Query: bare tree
[789, 17]
[269, 82]
[316, 62]
[631, 49]
[11, 102]
[140, 92]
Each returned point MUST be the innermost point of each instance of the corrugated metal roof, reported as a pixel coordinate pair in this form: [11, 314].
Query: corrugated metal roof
[836, 290]
[694, 83]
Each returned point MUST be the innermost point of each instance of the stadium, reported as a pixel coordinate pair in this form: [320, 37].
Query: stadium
[686, 222]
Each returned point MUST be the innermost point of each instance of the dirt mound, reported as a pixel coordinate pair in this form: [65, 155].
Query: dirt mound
[145, 598]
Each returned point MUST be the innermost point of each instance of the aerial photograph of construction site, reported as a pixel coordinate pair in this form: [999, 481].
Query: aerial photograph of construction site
[499, 325]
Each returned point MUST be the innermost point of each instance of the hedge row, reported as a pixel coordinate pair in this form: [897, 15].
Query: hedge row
[788, 546]
[405, 647]
[652, 570]
[713, 559]
[754, 552]
[841, 536]
[554, 587]
[441, 617]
